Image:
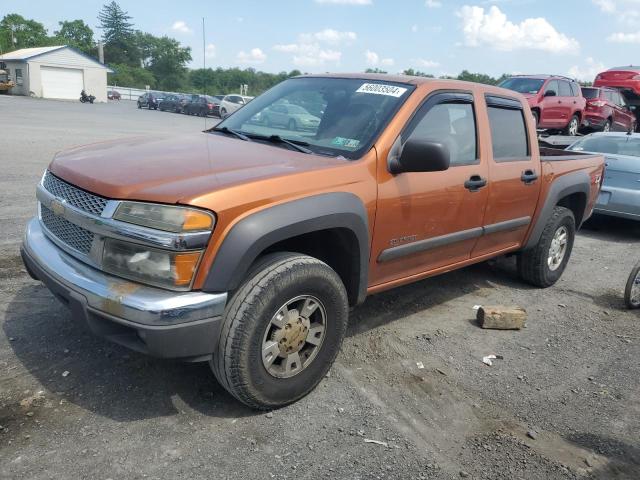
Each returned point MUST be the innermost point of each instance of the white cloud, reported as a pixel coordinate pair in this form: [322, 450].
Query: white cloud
[421, 62]
[433, 3]
[210, 51]
[254, 56]
[181, 27]
[316, 49]
[414, 28]
[493, 29]
[587, 71]
[345, 2]
[329, 36]
[620, 37]
[627, 12]
[373, 59]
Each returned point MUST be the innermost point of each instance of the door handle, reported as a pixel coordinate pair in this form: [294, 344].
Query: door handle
[559, 101]
[529, 176]
[475, 183]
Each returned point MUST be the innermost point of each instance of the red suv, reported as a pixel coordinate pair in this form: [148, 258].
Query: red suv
[556, 102]
[607, 110]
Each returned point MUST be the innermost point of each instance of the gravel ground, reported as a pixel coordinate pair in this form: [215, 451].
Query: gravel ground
[564, 402]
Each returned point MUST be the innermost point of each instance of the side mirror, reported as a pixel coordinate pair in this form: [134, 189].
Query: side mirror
[421, 156]
[550, 93]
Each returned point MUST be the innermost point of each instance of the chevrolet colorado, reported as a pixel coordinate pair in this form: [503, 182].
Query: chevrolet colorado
[246, 245]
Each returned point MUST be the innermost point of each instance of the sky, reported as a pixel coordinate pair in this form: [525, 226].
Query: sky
[578, 38]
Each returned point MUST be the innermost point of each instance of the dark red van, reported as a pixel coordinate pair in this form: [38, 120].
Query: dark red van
[556, 102]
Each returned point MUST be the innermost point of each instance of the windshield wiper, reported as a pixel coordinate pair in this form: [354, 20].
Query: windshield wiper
[229, 131]
[297, 144]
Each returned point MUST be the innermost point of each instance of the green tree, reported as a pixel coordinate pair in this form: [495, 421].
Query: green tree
[77, 34]
[129, 76]
[416, 73]
[18, 32]
[375, 70]
[168, 62]
[119, 39]
[477, 78]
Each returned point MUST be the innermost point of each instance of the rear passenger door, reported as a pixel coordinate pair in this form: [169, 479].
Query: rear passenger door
[430, 220]
[566, 101]
[514, 173]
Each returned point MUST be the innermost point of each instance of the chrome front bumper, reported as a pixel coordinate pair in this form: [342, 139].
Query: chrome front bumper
[151, 320]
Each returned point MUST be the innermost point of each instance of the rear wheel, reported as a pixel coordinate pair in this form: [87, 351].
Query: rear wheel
[572, 126]
[223, 113]
[543, 264]
[281, 331]
[607, 126]
[536, 118]
[632, 291]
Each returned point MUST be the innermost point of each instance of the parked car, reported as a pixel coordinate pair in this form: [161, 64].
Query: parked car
[201, 105]
[113, 95]
[246, 248]
[216, 99]
[293, 117]
[151, 100]
[556, 102]
[625, 79]
[231, 103]
[620, 194]
[174, 103]
[607, 110]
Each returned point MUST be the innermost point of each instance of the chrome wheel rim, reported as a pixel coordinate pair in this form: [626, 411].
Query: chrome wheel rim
[635, 291]
[294, 336]
[558, 248]
[573, 127]
[607, 127]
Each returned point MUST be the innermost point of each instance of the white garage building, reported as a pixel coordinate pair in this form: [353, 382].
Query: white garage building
[55, 72]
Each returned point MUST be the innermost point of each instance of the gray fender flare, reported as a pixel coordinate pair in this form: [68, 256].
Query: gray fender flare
[576, 182]
[253, 234]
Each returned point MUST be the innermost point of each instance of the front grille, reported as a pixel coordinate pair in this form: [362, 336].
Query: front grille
[85, 201]
[69, 233]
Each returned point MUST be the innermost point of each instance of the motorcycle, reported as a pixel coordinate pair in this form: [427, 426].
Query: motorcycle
[84, 98]
[632, 291]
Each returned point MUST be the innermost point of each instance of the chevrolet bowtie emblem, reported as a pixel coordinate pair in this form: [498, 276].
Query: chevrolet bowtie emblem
[57, 207]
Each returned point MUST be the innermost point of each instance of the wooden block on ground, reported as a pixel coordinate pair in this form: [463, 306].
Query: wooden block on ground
[501, 317]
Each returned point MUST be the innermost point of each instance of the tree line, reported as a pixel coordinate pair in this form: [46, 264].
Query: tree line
[140, 59]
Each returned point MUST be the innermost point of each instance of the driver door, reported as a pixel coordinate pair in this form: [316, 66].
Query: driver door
[429, 220]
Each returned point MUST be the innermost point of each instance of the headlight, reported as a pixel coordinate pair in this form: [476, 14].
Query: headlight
[153, 266]
[168, 218]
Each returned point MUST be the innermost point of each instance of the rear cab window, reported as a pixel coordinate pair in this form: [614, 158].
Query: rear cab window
[590, 93]
[509, 136]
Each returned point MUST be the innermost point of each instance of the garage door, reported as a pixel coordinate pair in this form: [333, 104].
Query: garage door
[61, 82]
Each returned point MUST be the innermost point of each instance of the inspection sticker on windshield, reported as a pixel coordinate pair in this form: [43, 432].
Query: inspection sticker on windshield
[345, 142]
[381, 89]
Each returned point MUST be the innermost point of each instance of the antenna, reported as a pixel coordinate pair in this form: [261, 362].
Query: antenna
[204, 69]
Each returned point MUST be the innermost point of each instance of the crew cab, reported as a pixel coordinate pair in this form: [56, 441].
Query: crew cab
[246, 248]
[556, 102]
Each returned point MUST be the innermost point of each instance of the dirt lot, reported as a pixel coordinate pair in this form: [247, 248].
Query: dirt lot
[74, 406]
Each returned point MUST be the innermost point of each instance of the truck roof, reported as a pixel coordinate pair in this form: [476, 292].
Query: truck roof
[377, 77]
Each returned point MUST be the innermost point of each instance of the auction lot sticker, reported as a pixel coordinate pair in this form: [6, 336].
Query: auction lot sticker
[381, 89]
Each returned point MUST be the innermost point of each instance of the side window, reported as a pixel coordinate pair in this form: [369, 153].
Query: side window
[552, 86]
[620, 100]
[575, 89]
[453, 124]
[508, 134]
[608, 96]
[18, 76]
[565, 89]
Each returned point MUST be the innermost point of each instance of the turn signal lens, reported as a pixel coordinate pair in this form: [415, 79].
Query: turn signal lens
[184, 267]
[169, 218]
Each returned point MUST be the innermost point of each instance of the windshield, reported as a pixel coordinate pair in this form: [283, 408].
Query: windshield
[331, 116]
[614, 144]
[523, 85]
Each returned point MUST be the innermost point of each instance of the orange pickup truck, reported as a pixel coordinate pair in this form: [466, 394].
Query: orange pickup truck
[246, 245]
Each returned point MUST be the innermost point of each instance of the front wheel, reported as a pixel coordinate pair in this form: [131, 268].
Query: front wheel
[632, 290]
[572, 126]
[223, 113]
[542, 265]
[607, 126]
[281, 331]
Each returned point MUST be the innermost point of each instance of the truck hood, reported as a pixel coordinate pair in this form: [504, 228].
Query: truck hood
[175, 169]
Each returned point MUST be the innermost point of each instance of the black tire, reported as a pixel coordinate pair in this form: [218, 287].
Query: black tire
[223, 113]
[607, 125]
[275, 280]
[139, 106]
[634, 280]
[533, 264]
[536, 118]
[573, 126]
